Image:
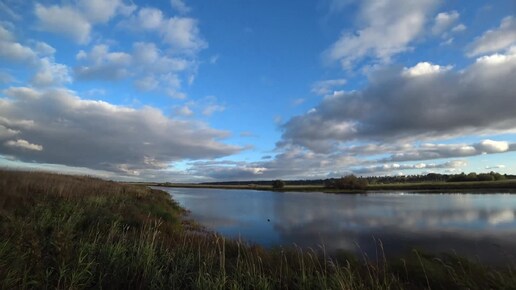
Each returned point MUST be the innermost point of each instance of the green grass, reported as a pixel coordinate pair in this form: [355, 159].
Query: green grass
[70, 232]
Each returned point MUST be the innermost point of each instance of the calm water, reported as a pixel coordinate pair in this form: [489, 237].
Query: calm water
[479, 226]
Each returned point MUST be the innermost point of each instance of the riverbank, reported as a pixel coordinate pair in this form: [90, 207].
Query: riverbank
[504, 186]
[71, 232]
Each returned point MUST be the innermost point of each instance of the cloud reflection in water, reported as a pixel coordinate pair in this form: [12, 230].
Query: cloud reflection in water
[479, 226]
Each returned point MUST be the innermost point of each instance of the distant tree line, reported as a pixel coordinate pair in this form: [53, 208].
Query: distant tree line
[353, 182]
[437, 177]
[347, 182]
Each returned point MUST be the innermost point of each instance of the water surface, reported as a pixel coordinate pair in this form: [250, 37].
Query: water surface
[480, 226]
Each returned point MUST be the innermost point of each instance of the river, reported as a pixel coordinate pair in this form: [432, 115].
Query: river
[479, 226]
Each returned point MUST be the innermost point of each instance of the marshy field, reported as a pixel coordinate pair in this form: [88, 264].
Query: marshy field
[76, 232]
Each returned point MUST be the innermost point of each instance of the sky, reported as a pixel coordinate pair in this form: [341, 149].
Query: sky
[193, 90]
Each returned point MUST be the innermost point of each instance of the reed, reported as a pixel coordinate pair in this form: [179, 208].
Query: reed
[71, 232]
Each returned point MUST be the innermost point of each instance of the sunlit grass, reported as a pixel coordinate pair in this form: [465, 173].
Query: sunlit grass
[72, 232]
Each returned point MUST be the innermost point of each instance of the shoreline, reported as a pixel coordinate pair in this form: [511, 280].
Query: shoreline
[508, 187]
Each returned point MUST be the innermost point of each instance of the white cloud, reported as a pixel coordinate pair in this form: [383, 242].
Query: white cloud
[184, 111]
[147, 83]
[75, 20]
[490, 146]
[459, 28]
[180, 6]
[395, 167]
[51, 73]
[23, 144]
[293, 162]
[14, 51]
[151, 59]
[326, 86]
[10, 50]
[23, 93]
[393, 108]
[497, 59]
[102, 136]
[424, 68]
[101, 11]
[182, 34]
[390, 27]
[212, 108]
[63, 20]
[6, 132]
[495, 40]
[150, 18]
[5, 34]
[443, 21]
[103, 64]
[44, 49]
[428, 151]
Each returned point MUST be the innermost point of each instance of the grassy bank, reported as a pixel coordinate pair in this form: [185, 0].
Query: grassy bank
[71, 232]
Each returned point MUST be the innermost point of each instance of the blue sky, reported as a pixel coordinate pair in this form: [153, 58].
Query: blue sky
[239, 90]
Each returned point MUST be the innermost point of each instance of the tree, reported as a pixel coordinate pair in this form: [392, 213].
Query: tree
[351, 182]
[278, 184]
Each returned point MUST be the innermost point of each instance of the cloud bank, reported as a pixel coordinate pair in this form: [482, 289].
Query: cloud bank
[58, 127]
[426, 101]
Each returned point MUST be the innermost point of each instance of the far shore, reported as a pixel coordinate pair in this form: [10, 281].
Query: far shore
[502, 186]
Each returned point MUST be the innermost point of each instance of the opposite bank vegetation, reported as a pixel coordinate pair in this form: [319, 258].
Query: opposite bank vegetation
[353, 184]
[70, 232]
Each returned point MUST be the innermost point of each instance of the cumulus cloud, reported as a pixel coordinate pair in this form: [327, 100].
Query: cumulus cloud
[13, 51]
[443, 21]
[213, 108]
[149, 67]
[182, 34]
[180, 6]
[424, 68]
[183, 111]
[490, 146]
[147, 83]
[103, 64]
[326, 86]
[148, 18]
[23, 144]
[95, 134]
[394, 167]
[495, 40]
[51, 73]
[101, 11]
[293, 162]
[389, 27]
[75, 20]
[427, 151]
[44, 49]
[459, 28]
[148, 64]
[395, 107]
[63, 20]
[151, 59]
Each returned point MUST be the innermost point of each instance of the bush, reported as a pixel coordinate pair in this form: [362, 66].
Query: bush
[351, 182]
[278, 184]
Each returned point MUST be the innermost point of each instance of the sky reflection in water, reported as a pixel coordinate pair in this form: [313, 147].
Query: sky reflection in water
[479, 226]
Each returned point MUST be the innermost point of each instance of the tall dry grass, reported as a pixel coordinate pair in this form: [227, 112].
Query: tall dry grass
[70, 232]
